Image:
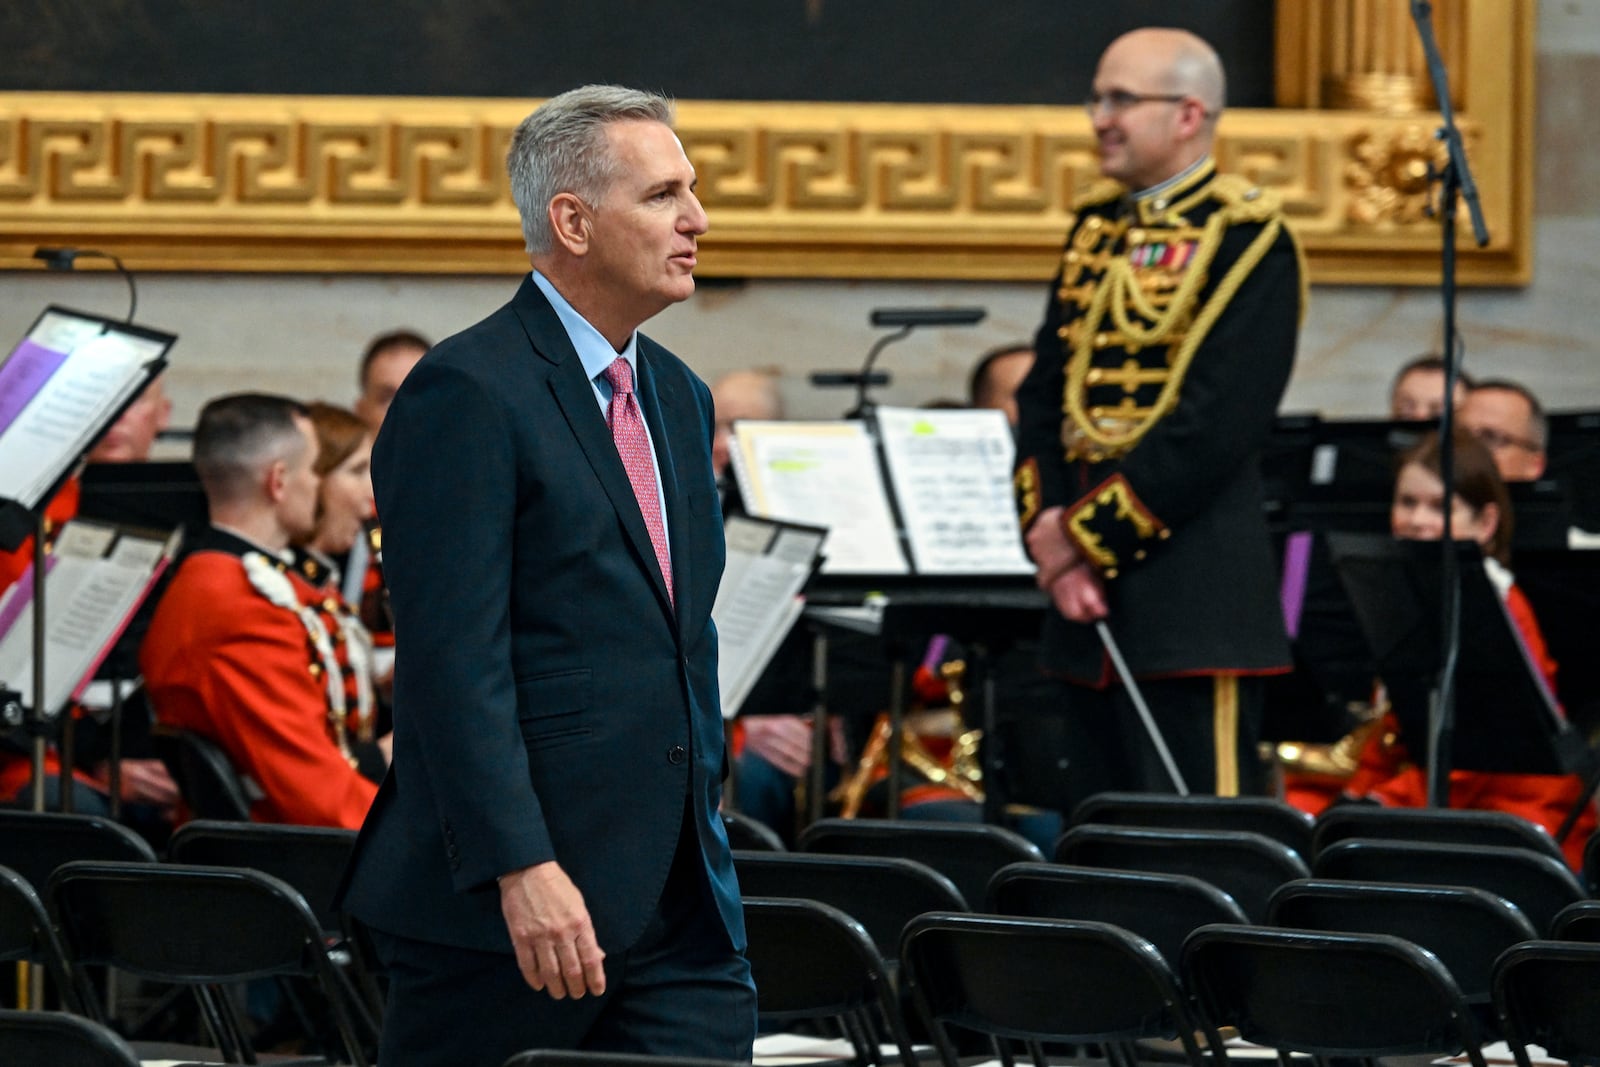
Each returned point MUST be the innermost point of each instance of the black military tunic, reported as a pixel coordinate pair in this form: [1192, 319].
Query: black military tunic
[1167, 343]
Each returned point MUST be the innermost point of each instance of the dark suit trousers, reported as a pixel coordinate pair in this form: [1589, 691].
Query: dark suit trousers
[681, 990]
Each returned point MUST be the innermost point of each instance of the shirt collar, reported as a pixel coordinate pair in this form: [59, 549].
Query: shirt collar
[1178, 179]
[594, 351]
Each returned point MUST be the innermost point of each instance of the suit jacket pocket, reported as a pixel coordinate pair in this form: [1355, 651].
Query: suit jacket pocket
[550, 707]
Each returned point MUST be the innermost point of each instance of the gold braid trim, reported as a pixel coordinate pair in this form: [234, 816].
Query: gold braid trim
[1120, 284]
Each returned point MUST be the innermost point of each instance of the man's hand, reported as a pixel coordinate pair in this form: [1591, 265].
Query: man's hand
[782, 740]
[1079, 595]
[551, 932]
[1052, 551]
[145, 781]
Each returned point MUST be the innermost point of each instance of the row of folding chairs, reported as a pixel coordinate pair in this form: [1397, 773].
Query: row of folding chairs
[237, 902]
[1273, 819]
[1247, 865]
[1021, 977]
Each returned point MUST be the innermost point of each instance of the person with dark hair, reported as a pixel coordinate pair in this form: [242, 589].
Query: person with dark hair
[1480, 511]
[1167, 344]
[387, 360]
[545, 865]
[996, 376]
[1510, 421]
[344, 506]
[242, 650]
[1417, 392]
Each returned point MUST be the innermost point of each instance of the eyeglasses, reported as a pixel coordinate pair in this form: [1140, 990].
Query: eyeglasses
[1494, 440]
[1117, 101]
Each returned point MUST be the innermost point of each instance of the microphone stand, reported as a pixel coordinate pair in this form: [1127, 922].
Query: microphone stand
[1455, 184]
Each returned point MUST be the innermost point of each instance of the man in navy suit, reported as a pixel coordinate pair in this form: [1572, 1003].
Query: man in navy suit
[544, 866]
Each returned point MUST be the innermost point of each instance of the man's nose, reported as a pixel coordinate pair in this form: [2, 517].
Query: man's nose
[694, 219]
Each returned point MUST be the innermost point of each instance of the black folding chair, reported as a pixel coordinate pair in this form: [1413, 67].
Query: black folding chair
[813, 962]
[1043, 980]
[1545, 994]
[1449, 826]
[206, 777]
[882, 893]
[312, 860]
[966, 853]
[1537, 884]
[1161, 908]
[34, 844]
[1466, 928]
[563, 1058]
[197, 926]
[1246, 866]
[1579, 921]
[57, 1039]
[1163, 811]
[750, 835]
[26, 934]
[1350, 995]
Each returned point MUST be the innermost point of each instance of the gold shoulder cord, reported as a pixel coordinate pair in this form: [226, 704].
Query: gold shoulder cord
[1120, 286]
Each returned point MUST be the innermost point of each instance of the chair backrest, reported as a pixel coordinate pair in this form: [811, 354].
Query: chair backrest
[1246, 866]
[1328, 994]
[52, 1039]
[1041, 980]
[572, 1058]
[812, 961]
[1451, 826]
[1161, 908]
[966, 853]
[310, 858]
[1466, 928]
[34, 844]
[198, 926]
[1579, 921]
[750, 835]
[27, 934]
[210, 784]
[882, 893]
[1261, 815]
[1544, 992]
[1537, 884]
[1591, 863]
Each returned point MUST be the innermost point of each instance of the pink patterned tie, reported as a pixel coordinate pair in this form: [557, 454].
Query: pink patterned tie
[633, 445]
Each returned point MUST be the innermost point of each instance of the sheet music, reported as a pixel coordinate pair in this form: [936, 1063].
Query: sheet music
[60, 386]
[825, 474]
[952, 477]
[758, 600]
[96, 578]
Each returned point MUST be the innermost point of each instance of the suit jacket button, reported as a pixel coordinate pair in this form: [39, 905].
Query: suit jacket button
[677, 754]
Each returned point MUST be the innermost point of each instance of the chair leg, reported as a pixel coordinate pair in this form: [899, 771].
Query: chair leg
[224, 1025]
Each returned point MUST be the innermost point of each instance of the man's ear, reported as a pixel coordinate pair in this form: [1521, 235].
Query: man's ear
[276, 478]
[569, 222]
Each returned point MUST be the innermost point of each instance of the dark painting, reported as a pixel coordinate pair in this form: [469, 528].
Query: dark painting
[910, 51]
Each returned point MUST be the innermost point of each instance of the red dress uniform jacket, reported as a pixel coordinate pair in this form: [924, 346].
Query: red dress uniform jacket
[223, 660]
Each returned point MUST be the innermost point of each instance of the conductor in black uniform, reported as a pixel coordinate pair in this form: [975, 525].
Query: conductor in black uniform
[1168, 340]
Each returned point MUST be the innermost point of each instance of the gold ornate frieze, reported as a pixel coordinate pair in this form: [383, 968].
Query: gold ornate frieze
[250, 183]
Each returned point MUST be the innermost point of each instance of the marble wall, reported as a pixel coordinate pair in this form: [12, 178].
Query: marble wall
[302, 334]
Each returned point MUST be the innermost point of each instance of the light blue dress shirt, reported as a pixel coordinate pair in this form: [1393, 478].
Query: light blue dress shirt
[596, 354]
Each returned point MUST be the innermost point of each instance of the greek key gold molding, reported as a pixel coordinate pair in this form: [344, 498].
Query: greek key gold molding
[333, 184]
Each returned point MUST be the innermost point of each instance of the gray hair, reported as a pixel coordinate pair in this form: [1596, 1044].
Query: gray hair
[561, 148]
[239, 436]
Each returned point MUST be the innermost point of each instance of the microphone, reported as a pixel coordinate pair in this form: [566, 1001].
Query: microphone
[66, 258]
[913, 317]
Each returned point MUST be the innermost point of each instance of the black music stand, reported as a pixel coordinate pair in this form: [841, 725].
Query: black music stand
[1507, 720]
[986, 613]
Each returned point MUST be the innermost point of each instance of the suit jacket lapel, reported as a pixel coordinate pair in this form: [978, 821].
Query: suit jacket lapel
[574, 394]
